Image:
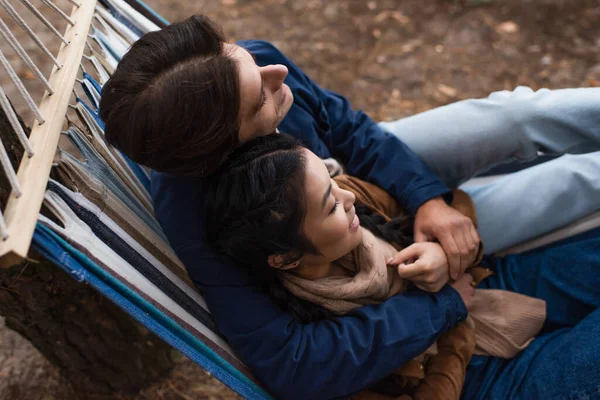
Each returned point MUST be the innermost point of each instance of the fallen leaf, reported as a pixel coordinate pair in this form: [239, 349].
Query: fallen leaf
[447, 90]
[507, 27]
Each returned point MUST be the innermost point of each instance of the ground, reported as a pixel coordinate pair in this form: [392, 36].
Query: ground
[391, 59]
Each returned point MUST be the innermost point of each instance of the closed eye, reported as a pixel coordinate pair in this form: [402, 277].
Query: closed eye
[264, 99]
[335, 206]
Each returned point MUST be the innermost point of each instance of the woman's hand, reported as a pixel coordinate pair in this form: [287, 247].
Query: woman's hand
[424, 264]
[455, 232]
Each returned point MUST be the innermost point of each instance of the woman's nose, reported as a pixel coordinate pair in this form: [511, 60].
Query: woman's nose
[273, 75]
[349, 200]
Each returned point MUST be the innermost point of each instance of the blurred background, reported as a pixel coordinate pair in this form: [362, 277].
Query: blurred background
[391, 58]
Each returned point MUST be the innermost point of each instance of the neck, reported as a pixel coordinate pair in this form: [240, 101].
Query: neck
[314, 271]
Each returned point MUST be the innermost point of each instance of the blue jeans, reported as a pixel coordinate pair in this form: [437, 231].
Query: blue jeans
[461, 140]
[563, 362]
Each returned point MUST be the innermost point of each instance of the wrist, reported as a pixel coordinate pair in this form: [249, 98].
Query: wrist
[435, 202]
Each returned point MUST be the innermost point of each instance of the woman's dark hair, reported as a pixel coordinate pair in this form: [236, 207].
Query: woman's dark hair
[399, 230]
[255, 208]
[173, 102]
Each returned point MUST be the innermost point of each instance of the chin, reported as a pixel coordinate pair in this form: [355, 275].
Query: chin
[357, 238]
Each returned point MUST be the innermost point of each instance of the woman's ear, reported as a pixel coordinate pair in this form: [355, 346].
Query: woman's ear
[278, 261]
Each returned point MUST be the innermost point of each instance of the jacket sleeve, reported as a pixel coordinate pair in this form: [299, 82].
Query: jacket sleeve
[330, 358]
[352, 137]
[377, 156]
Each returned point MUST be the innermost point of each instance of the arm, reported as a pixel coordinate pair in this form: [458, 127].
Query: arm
[330, 358]
[319, 360]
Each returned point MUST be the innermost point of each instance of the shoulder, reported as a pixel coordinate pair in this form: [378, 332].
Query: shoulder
[178, 207]
[265, 52]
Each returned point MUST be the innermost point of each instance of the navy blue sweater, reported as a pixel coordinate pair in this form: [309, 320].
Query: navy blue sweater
[329, 358]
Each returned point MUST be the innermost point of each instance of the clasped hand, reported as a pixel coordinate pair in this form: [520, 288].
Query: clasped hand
[430, 265]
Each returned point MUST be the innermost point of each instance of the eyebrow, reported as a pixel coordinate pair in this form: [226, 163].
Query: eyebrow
[326, 196]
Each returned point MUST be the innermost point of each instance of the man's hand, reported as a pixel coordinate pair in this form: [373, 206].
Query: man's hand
[464, 287]
[424, 264]
[455, 232]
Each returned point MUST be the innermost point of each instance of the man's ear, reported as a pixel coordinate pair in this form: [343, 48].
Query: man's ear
[279, 261]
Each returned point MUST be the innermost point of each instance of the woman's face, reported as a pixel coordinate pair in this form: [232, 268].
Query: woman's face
[331, 223]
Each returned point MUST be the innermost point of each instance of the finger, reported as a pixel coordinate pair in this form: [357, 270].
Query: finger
[463, 251]
[449, 245]
[403, 256]
[420, 237]
[477, 239]
[407, 271]
[475, 235]
[471, 248]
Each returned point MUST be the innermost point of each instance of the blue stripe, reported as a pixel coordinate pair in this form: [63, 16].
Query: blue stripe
[58, 251]
[151, 11]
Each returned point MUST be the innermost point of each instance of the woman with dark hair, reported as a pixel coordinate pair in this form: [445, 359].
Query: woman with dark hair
[274, 209]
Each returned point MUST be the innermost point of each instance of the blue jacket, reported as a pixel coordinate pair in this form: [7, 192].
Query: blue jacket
[330, 358]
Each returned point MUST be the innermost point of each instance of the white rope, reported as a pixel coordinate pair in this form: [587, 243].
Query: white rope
[58, 11]
[76, 4]
[3, 228]
[14, 43]
[14, 15]
[4, 160]
[39, 15]
[14, 122]
[10, 172]
[13, 77]
[102, 73]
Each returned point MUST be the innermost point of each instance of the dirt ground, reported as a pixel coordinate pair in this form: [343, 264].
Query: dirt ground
[391, 58]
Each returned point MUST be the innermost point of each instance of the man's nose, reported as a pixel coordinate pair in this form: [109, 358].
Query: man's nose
[274, 75]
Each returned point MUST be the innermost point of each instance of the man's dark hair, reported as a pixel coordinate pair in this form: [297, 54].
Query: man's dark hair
[173, 102]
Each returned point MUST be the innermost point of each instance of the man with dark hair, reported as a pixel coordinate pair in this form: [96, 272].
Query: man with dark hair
[183, 98]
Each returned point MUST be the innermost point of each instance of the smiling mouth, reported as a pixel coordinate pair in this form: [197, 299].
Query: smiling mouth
[355, 223]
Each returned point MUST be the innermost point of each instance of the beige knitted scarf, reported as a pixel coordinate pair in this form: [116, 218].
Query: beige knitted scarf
[504, 322]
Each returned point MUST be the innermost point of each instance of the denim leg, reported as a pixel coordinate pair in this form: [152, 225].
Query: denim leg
[537, 200]
[460, 140]
[563, 364]
[565, 275]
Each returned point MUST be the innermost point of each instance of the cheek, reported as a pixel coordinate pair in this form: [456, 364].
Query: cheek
[335, 239]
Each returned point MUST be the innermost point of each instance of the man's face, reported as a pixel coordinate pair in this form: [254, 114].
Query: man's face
[264, 98]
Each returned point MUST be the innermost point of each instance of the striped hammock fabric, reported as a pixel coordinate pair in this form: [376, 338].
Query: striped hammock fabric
[108, 236]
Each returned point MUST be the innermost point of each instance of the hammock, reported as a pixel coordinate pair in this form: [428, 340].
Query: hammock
[104, 232]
